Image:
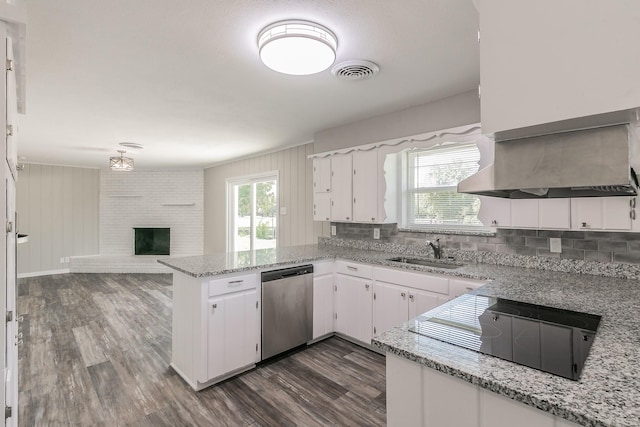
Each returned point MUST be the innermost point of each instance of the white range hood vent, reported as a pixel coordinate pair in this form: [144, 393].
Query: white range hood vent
[585, 163]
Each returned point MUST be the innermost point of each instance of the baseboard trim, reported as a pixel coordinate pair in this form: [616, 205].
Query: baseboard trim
[43, 273]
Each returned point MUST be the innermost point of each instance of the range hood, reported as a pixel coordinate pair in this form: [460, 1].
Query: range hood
[584, 163]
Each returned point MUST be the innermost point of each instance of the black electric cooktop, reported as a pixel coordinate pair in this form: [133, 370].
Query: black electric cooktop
[549, 339]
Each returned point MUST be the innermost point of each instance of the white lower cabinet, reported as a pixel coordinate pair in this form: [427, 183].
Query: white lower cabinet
[354, 300]
[215, 327]
[323, 305]
[232, 339]
[391, 306]
[354, 308]
[418, 396]
[402, 295]
[394, 304]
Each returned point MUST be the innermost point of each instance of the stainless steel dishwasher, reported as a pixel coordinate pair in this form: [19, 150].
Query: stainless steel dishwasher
[287, 309]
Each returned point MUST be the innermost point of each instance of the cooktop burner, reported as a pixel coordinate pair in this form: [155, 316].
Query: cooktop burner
[546, 338]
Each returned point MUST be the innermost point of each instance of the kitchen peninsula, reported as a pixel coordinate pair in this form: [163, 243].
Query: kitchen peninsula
[606, 394]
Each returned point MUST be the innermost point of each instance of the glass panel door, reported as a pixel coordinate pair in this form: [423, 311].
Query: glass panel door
[253, 212]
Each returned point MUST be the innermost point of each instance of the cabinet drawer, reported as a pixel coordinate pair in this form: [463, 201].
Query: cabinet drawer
[232, 284]
[354, 269]
[462, 286]
[421, 281]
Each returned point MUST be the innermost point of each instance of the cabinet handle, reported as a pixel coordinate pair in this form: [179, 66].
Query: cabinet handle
[352, 268]
[411, 297]
[235, 282]
[214, 305]
[328, 189]
[403, 294]
[494, 222]
[366, 286]
[584, 225]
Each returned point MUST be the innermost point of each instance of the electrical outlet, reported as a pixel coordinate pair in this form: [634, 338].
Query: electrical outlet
[376, 233]
[555, 245]
[333, 230]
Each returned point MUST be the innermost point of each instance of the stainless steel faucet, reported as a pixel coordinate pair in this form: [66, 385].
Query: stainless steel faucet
[437, 250]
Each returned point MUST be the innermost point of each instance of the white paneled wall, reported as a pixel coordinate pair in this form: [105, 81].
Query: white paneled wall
[142, 198]
[295, 193]
[58, 209]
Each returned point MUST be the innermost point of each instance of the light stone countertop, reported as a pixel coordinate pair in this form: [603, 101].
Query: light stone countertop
[608, 392]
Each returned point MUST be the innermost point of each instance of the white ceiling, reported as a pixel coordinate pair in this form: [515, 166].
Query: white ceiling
[184, 79]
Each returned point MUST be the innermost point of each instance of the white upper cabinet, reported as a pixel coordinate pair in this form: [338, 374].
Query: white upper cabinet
[495, 212]
[365, 186]
[546, 61]
[554, 213]
[341, 194]
[524, 213]
[601, 213]
[322, 175]
[321, 206]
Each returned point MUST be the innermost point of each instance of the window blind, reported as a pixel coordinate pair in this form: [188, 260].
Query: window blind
[433, 176]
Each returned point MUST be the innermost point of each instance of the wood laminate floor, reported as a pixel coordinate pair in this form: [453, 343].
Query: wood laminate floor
[97, 348]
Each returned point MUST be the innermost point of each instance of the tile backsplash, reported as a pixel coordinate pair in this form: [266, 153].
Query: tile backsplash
[600, 246]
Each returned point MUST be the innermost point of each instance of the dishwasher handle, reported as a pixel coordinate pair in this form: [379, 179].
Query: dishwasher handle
[284, 273]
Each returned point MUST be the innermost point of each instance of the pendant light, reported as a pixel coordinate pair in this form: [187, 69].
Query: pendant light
[124, 164]
[297, 47]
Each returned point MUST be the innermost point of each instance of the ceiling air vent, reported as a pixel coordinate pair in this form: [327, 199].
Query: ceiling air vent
[355, 70]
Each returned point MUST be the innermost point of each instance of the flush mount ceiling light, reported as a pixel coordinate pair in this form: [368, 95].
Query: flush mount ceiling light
[121, 163]
[297, 47]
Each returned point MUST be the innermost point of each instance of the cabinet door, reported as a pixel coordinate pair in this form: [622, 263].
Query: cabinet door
[586, 213]
[322, 175]
[232, 333]
[390, 306]
[322, 305]
[495, 212]
[321, 206]
[524, 213]
[365, 186]
[354, 307]
[422, 301]
[364, 322]
[554, 213]
[341, 194]
[616, 213]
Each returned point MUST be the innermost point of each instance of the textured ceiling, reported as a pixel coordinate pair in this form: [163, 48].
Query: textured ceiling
[184, 79]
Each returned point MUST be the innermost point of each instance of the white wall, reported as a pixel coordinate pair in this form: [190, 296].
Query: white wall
[295, 193]
[140, 199]
[58, 208]
[457, 110]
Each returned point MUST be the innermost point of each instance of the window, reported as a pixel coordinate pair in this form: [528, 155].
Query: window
[432, 178]
[253, 207]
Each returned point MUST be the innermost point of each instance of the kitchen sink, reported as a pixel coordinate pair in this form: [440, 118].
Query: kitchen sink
[426, 262]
